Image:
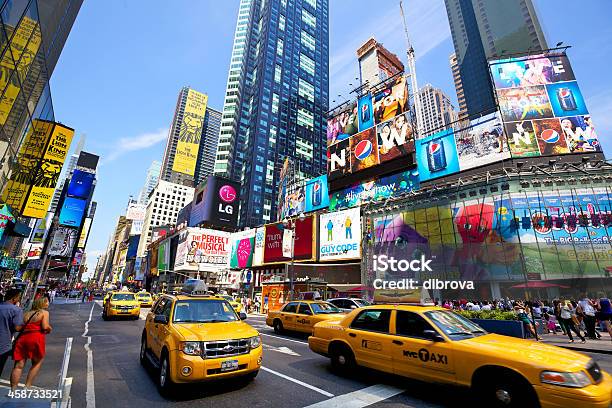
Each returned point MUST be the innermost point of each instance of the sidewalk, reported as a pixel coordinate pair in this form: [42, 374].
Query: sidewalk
[603, 345]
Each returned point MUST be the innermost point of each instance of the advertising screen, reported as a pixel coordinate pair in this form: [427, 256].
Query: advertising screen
[136, 212]
[365, 112]
[364, 150]
[342, 125]
[317, 195]
[84, 233]
[202, 249]
[391, 100]
[375, 190]
[72, 212]
[5, 217]
[132, 246]
[243, 249]
[294, 202]
[63, 241]
[260, 234]
[216, 203]
[395, 138]
[340, 235]
[41, 228]
[35, 251]
[542, 107]
[482, 143]
[190, 132]
[436, 155]
[163, 256]
[88, 160]
[303, 245]
[80, 184]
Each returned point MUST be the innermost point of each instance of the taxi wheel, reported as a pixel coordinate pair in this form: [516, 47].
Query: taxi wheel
[507, 391]
[143, 350]
[164, 382]
[342, 358]
[278, 326]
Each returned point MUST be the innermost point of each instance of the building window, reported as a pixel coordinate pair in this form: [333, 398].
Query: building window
[281, 23]
[313, 3]
[309, 19]
[279, 47]
[275, 103]
[305, 118]
[306, 90]
[278, 73]
[308, 41]
[307, 64]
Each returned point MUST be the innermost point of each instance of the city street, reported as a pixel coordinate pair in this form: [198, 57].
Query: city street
[292, 376]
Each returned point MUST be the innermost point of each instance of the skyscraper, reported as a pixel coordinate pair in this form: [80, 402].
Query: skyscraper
[437, 112]
[276, 99]
[376, 63]
[482, 29]
[192, 140]
[150, 182]
[458, 85]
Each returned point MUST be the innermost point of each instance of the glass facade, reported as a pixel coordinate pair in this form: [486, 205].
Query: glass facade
[276, 99]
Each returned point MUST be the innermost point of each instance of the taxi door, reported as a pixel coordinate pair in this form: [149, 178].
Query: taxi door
[304, 318]
[288, 315]
[370, 338]
[415, 355]
[155, 331]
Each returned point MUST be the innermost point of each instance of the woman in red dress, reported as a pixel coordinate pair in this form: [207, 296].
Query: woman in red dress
[30, 345]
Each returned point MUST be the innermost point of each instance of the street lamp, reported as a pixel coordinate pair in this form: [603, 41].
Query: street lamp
[289, 224]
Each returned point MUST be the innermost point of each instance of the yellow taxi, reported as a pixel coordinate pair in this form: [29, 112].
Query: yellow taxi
[302, 315]
[437, 345]
[120, 304]
[236, 305]
[145, 299]
[194, 338]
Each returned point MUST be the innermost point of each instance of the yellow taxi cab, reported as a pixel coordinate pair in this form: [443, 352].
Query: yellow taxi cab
[120, 304]
[437, 345]
[145, 299]
[194, 337]
[236, 305]
[302, 315]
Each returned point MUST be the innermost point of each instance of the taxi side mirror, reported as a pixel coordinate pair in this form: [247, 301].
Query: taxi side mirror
[242, 315]
[432, 335]
[160, 318]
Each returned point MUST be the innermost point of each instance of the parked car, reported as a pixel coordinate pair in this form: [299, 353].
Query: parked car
[348, 304]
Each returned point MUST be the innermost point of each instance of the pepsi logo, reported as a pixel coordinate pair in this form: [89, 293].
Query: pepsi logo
[550, 136]
[564, 92]
[363, 150]
[227, 193]
[434, 147]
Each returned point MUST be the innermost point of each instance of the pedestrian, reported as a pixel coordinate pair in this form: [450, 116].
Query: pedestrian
[522, 314]
[605, 313]
[30, 344]
[91, 296]
[53, 293]
[587, 309]
[11, 321]
[567, 321]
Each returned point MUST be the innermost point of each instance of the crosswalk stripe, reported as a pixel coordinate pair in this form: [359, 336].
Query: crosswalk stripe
[360, 398]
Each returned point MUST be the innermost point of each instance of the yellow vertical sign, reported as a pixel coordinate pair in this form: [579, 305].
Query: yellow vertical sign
[190, 133]
[28, 159]
[47, 174]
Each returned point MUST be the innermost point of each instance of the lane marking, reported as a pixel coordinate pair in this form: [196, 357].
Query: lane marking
[294, 380]
[282, 349]
[90, 394]
[361, 398]
[283, 338]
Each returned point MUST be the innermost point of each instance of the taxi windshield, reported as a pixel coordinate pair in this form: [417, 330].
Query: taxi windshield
[203, 311]
[143, 295]
[228, 298]
[323, 308]
[123, 296]
[453, 325]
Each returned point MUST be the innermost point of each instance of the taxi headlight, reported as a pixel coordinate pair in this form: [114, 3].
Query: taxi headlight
[255, 342]
[574, 380]
[193, 348]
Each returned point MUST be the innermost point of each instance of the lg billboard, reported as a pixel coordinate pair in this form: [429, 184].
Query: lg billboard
[215, 203]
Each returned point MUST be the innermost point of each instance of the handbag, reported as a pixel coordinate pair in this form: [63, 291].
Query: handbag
[21, 332]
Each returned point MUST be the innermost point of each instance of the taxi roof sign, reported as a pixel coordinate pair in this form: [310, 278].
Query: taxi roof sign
[195, 287]
[417, 296]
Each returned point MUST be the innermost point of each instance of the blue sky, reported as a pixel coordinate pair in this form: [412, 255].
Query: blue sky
[125, 61]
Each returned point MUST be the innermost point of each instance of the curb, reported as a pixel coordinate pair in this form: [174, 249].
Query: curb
[584, 350]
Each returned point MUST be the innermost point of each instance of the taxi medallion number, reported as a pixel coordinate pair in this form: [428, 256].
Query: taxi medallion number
[229, 365]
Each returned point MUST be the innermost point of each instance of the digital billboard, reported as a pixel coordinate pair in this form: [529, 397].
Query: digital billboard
[163, 256]
[88, 160]
[72, 212]
[190, 133]
[41, 228]
[365, 112]
[215, 203]
[340, 235]
[376, 189]
[5, 217]
[436, 155]
[395, 138]
[342, 125]
[243, 249]
[482, 142]
[391, 100]
[80, 184]
[84, 233]
[542, 107]
[303, 246]
[317, 195]
[202, 249]
[35, 251]
[63, 241]
[258, 253]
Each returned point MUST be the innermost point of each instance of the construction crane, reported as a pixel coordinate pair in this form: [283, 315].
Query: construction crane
[413, 78]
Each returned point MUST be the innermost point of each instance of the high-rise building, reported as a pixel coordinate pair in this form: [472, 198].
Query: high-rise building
[150, 182]
[276, 99]
[208, 146]
[376, 63]
[192, 140]
[437, 111]
[458, 86]
[483, 29]
[165, 202]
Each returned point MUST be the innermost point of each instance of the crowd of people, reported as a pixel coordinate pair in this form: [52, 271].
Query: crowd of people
[559, 315]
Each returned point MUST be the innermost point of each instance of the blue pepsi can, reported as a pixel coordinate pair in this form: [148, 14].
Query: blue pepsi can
[317, 195]
[566, 99]
[436, 158]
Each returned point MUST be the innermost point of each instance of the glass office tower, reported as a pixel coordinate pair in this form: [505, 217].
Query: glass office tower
[276, 100]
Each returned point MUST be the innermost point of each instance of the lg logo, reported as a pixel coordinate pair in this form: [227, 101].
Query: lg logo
[228, 195]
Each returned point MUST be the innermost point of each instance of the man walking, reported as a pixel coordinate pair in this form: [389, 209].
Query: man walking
[588, 315]
[11, 321]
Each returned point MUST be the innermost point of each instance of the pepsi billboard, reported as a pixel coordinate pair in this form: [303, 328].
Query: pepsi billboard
[317, 195]
[80, 184]
[436, 155]
[215, 203]
[542, 107]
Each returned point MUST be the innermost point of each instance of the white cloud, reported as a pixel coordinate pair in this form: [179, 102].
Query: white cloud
[129, 144]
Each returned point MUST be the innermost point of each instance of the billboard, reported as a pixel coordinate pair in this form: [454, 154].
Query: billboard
[201, 249]
[342, 125]
[215, 203]
[375, 190]
[41, 228]
[317, 195]
[542, 107]
[88, 161]
[303, 245]
[80, 184]
[395, 138]
[243, 249]
[163, 256]
[436, 155]
[258, 253]
[391, 100]
[72, 212]
[35, 251]
[340, 235]
[63, 242]
[5, 217]
[84, 233]
[47, 173]
[190, 132]
[482, 142]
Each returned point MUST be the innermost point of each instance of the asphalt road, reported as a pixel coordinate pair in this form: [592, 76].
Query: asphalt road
[292, 376]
